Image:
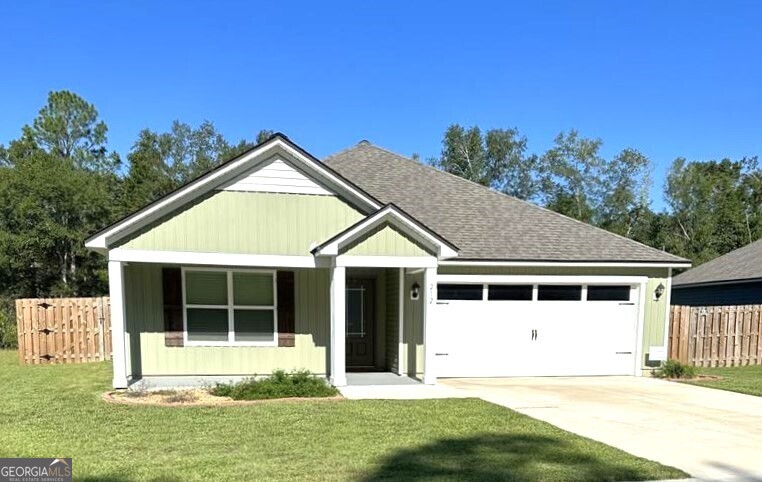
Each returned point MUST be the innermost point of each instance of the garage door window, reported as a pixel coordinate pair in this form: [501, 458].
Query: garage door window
[608, 293]
[510, 293]
[460, 292]
[559, 292]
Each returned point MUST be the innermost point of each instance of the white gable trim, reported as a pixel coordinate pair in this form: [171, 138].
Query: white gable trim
[192, 258]
[392, 216]
[386, 261]
[277, 176]
[262, 153]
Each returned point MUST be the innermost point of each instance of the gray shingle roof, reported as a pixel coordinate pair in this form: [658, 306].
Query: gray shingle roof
[483, 223]
[742, 264]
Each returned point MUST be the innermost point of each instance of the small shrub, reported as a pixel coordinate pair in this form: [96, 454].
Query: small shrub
[8, 334]
[281, 384]
[164, 392]
[181, 397]
[675, 369]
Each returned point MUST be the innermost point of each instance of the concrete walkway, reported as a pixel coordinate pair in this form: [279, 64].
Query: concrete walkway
[711, 434]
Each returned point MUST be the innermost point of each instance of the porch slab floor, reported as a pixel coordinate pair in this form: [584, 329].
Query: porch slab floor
[396, 388]
[379, 378]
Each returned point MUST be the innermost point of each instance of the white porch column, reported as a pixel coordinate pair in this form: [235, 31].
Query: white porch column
[338, 327]
[116, 295]
[429, 326]
[401, 367]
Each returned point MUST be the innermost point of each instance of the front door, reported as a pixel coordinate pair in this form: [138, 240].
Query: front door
[360, 323]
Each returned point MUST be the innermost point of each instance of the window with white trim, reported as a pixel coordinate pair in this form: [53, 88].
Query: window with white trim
[229, 307]
[449, 291]
[608, 293]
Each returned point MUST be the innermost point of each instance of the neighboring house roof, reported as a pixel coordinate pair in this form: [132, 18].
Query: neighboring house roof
[743, 264]
[484, 224]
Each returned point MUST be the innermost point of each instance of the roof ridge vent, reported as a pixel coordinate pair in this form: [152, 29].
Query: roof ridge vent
[364, 142]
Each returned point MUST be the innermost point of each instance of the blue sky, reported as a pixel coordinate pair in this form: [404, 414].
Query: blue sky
[677, 78]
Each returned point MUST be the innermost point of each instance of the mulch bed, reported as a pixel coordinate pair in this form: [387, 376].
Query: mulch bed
[196, 398]
[697, 378]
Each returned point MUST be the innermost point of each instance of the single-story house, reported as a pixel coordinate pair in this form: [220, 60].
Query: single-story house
[732, 279]
[370, 261]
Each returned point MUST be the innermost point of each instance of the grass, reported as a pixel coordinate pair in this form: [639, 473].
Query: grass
[299, 384]
[746, 380]
[56, 411]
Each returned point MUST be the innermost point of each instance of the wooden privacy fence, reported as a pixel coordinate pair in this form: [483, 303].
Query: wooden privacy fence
[63, 330]
[711, 336]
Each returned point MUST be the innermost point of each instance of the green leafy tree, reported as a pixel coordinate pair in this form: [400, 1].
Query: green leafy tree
[68, 128]
[56, 187]
[710, 208]
[625, 200]
[263, 135]
[162, 162]
[573, 176]
[495, 159]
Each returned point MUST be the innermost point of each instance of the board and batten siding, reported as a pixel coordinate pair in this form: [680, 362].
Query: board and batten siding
[655, 316]
[413, 351]
[385, 241]
[248, 223]
[392, 319]
[147, 355]
[654, 322]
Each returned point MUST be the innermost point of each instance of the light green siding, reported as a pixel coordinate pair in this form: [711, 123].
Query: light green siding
[248, 223]
[392, 319]
[413, 328]
[385, 241]
[655, 319]
[655, 311]
[148, 355]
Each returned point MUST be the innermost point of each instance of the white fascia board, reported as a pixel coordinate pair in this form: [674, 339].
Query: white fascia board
[560, 264]
[566, 279]
[388, 214]
[215, 259]
[221, 175]
[386, 261]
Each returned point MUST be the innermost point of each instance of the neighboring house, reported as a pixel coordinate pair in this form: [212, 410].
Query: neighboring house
[372, 261]
[732, 279]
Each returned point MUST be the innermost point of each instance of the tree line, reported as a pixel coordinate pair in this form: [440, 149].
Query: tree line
[712, 207]
[59, 183]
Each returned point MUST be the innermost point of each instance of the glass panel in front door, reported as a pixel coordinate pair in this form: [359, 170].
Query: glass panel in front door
[355, 316]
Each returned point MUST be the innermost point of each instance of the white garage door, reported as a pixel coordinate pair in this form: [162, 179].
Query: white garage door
[537, 329]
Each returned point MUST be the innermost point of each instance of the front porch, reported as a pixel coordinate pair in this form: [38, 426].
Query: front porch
[355, 325]
[378, 324]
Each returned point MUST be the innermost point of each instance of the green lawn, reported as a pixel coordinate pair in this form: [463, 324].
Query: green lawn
[56, 411]
[746, 380]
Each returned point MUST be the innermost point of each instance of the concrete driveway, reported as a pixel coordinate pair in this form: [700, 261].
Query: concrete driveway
[711, 434]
